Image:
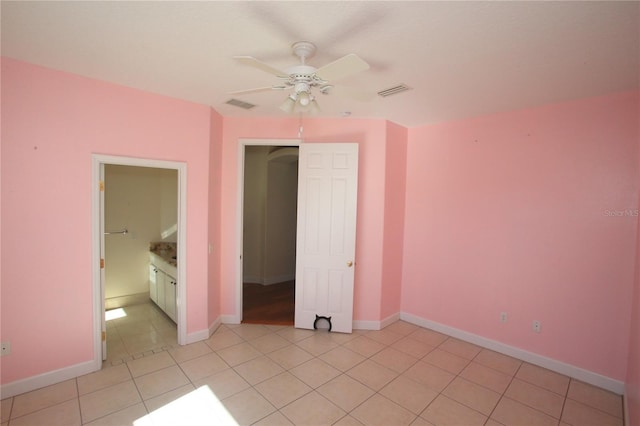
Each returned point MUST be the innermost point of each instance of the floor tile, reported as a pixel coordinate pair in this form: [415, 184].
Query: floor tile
[290, 356]
[103, 379]
[274, 419]
[347, 421]
[238, 354]
[66, 413]
[433, 377]
[157, 402]
[187, 352]
[222, 340]
[43, 398]
[498, 361]
[198, 407]
[161, 381]
[5, 409]
[341, 358]
[295, 334]
[460, 348]
[510, 412]
[203, 366]
[136, 413]
[473, 396]
[258, 370]
[109, 400]
[312, 409]
[446, 360]
[576, 413]
[411, 395]
[149, 364]
[595, 397]
[413, 347]
[364, 346]
[487, 377]
[269, 343]
[251, 331]
[394, 359]
[372, 374]
[378, 410]
[315, 372]
[345, 392]
[445, 411]
[248, 406]
[536, 397]
[544, 378]
[223, 384]
[429, 337]
[282, 389]
[402, 327]
[317, 345]
[386, 337]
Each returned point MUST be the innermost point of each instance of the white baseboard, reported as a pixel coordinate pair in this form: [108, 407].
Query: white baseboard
[578, 373]
[230, 319]
[389, 320]
[214, 326]
[366, 325]
[49, 378]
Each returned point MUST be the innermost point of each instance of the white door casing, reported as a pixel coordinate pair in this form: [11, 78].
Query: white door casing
[325, 253]
[103, 335]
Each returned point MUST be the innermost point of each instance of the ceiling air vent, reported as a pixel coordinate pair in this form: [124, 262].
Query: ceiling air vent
[240, 104]
[394, 90]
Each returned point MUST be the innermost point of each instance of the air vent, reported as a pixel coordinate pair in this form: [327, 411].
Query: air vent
[240, 104]
[393, 90]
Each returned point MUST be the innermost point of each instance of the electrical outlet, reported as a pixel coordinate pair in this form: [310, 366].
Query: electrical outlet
[5, 348]
[536, 326]
[503, 317]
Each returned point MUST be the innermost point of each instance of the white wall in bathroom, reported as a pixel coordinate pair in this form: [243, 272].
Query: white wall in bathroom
[144, 201]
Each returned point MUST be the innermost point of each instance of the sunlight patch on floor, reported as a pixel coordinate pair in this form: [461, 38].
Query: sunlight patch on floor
[199, 407]
[114, 313]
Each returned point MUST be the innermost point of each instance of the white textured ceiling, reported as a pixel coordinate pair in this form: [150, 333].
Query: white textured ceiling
[461, 59]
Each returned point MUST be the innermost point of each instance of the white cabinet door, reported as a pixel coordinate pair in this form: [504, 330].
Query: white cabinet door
[170, 287]
[153, 283]
[161, 277]
[325, 254]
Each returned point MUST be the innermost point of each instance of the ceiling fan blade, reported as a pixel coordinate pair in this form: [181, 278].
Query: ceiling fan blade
[253, 62]
[343, 67]
[353, 93]
[258, 89]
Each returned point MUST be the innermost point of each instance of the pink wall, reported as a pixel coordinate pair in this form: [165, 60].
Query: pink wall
[371, 135]
[395, 177]
[214, 209]
[633, 372]
[52, 123]
[508, 213]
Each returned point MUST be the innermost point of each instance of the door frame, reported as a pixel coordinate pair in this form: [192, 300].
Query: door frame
[98, 160]
[242, 143]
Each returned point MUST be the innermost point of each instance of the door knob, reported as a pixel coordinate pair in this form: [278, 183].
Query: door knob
[350, 264]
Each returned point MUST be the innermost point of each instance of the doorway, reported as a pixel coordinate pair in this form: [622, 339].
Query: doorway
[269, 234]
[173, 227]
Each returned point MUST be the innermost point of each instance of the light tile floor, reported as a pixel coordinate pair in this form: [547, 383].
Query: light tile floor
[272, 375]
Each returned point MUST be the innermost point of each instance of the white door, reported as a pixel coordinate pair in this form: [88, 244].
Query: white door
[102, 269]
[325, 251]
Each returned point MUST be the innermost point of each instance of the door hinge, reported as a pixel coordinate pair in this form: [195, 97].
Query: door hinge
[101, 263]
[101, 184]
[104, 336]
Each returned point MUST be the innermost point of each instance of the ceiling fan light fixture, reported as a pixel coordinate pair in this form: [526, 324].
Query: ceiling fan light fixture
[304, 99]
[288, 105]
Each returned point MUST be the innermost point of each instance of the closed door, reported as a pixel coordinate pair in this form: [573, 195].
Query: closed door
[325, 251]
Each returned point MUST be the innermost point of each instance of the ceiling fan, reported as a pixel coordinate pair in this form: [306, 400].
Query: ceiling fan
[303, 78]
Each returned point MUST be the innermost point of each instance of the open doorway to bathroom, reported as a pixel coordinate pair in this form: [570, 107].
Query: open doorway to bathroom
[166, 187]
[269, 234]
[141, 231]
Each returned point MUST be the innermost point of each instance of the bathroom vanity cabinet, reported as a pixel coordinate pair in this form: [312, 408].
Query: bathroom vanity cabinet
[163, 285]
